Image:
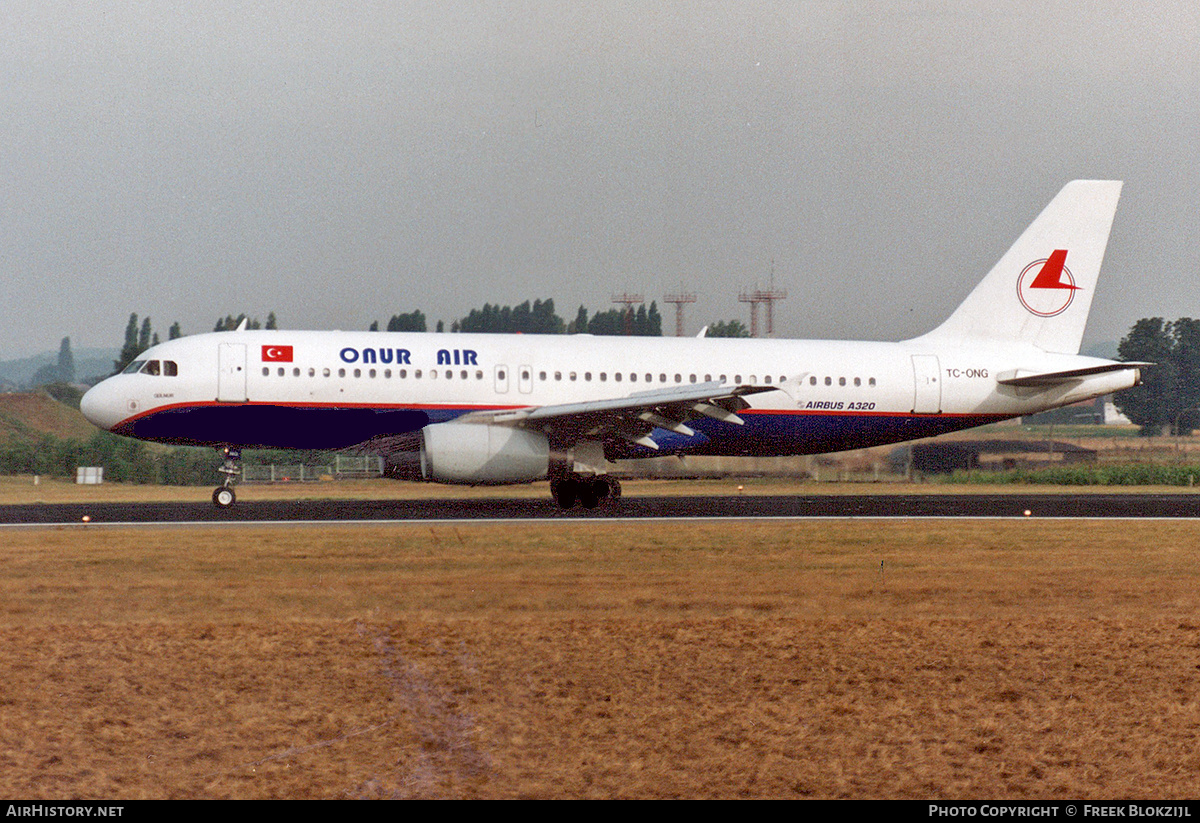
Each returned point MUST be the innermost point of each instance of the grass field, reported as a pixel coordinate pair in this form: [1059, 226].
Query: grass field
[926, 659]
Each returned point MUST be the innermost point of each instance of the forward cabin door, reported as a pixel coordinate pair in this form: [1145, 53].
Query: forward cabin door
[927, 390]
[231, 373]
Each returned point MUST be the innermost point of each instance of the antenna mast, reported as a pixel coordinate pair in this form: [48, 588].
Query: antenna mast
[680, 299]
[769, 296]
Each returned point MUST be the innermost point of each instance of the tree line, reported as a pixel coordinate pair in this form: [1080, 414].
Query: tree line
[539, 317]
[529, 317]
[1168, 398]
[140, 335]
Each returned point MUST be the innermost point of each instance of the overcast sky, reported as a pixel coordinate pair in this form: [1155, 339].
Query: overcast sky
[340, 162]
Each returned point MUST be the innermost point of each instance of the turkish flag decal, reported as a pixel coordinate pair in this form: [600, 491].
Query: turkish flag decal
[277, 354]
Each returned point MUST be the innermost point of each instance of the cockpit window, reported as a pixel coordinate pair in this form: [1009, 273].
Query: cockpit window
[157, 368]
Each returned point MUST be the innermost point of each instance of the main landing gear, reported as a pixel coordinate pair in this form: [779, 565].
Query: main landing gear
[223, 496]
[588, 491]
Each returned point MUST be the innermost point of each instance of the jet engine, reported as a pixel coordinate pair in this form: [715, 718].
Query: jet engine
[472, 454]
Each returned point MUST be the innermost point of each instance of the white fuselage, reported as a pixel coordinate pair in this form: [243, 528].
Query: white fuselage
[316, 389]
[478, 408]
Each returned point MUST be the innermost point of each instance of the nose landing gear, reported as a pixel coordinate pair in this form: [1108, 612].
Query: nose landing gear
[223, 496]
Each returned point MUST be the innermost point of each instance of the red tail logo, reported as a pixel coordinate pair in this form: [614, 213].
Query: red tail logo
[1046, 287]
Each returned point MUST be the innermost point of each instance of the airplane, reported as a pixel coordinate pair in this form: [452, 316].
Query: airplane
[505, 409]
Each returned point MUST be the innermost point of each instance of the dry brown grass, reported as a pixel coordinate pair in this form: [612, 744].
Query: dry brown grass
[835, 659]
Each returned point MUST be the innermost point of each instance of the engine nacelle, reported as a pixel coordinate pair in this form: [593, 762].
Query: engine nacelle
[474, 454]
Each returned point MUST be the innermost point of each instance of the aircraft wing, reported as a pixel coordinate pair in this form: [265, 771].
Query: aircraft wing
[632, 417]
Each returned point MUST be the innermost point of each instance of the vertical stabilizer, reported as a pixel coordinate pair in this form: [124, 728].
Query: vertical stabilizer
[1041, 290]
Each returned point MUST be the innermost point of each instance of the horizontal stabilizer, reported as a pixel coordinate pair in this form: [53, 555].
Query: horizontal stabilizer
[1054, 378]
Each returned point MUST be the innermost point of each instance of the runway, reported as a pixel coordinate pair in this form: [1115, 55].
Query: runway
[1036, 505]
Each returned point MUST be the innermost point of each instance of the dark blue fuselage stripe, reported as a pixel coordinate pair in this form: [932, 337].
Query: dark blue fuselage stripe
[329, 427]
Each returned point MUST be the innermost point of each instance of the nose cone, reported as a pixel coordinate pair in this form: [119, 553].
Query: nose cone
[101, 405]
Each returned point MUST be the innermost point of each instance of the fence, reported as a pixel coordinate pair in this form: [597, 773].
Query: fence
[343, 467]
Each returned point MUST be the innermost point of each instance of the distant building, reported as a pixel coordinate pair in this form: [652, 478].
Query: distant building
[1089, 412]
[1112, 417]
[995, 455]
